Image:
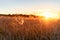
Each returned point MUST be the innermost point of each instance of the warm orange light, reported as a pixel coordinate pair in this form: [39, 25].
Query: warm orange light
[48, 15]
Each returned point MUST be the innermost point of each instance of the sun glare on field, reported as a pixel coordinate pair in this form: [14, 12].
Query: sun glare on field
[49, 15]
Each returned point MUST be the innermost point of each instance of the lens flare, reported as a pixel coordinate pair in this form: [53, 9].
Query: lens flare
[50, 15]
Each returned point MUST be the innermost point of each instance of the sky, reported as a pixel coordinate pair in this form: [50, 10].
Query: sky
[10, 6]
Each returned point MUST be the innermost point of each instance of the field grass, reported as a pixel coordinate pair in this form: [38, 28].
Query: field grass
[28, 28]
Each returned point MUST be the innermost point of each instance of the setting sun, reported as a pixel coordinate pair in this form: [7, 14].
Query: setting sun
[48, 15]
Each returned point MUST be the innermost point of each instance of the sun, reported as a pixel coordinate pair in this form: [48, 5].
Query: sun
[48, 15]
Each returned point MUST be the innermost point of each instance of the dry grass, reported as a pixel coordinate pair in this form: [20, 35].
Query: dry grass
[29, 28]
